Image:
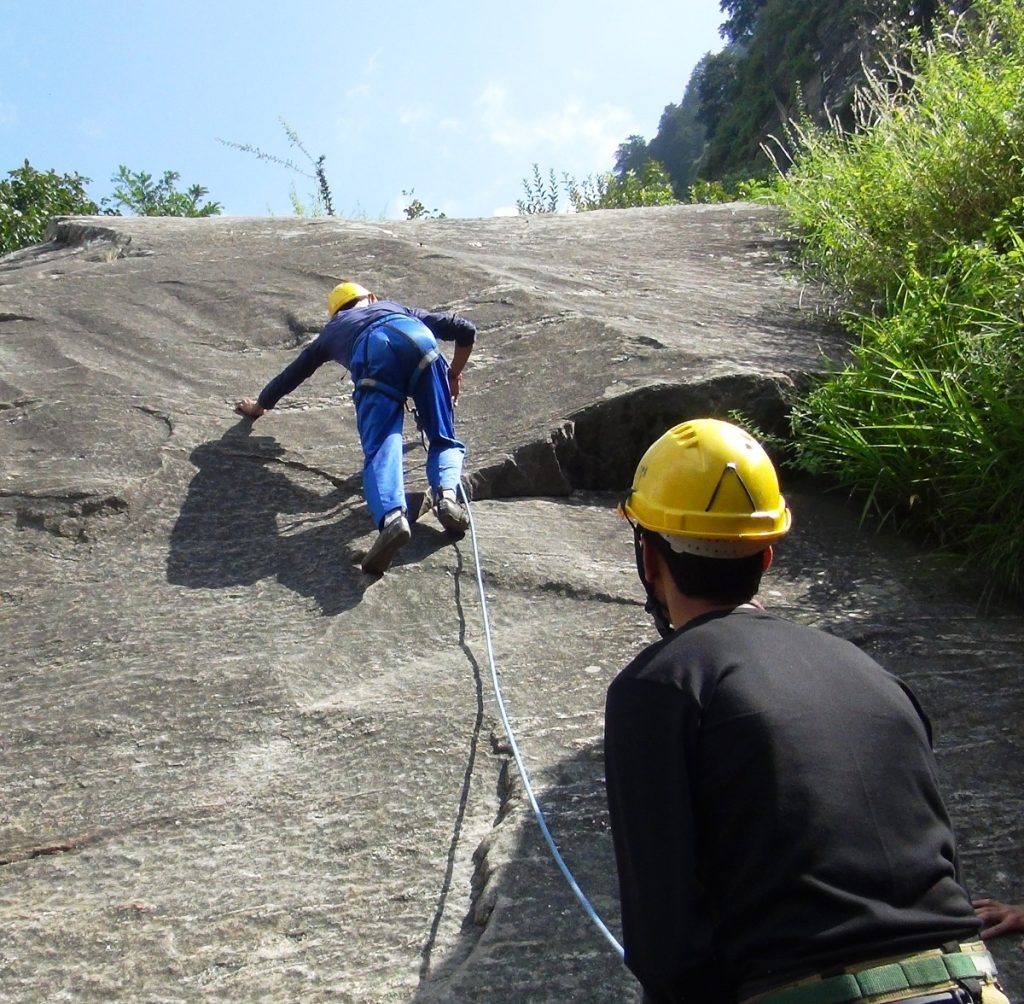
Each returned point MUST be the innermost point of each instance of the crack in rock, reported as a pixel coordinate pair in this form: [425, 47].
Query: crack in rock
[561, 588]
[71, 844]
[160, 416]
[21, 403]
[598, 447]
[301, 328]
[66, 514]
[104, 243]
[494, 852]
[350, 483]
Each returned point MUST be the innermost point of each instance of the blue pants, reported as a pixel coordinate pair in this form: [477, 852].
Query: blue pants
[394, 360]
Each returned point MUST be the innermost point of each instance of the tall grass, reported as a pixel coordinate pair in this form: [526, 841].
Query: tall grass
[917, 218]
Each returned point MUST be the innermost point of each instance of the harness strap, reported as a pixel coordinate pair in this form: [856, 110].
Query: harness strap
[368, 383]
[426, 361]
[904, 974]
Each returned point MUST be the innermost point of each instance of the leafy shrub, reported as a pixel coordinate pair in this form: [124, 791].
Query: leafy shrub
[918, 219]
[930, 164]
[750, 190]
[651, 187]
[140, 194]
[416, 210]
[29, 198]
[540, 197]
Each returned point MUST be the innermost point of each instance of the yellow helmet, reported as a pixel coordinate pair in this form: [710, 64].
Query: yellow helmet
[710, 489]
[343, 294]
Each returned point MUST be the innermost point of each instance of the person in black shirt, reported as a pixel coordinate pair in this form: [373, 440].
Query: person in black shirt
[778, 828]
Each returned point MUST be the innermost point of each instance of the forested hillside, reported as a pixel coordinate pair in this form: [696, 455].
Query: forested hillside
[783, 60]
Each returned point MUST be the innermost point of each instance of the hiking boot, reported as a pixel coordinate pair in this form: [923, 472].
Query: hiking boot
[393, 535]
[451, 514]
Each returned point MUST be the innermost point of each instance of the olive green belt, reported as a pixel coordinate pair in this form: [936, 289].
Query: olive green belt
[922, 970]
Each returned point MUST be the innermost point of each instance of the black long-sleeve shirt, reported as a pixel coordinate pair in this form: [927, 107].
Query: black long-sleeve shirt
[774, 808]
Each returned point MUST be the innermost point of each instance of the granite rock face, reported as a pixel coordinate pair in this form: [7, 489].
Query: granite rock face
[233, 767]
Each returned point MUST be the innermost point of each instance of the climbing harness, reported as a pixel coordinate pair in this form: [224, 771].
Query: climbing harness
[427, 355]
[527, 787]
[411, 408]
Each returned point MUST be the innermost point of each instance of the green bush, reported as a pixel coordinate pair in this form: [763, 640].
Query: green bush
[930, 165]
[918, 219]
[928, 424]
[540, 197]
[651, 187]
[750, 190]
[139, 193]
[29, 198]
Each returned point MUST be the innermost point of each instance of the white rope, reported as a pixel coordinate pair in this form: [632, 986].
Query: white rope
[563, 867]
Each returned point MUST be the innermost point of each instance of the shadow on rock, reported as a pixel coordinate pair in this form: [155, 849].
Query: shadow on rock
[250, 515]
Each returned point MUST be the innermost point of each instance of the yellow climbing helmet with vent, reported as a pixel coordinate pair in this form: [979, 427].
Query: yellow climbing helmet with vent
[343, 294]
[709, 488]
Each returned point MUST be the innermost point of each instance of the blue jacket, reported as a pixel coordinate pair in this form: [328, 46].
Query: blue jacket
[339, 336]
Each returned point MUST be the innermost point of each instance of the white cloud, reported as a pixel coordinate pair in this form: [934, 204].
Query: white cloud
[595, 133]
[371, 62]
[415, 116]
[91, 127]
[423, 117]
[505, 211]
[396, 206]
[362, 88]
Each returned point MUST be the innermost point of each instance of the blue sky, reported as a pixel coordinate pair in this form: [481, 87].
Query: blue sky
[454, 99]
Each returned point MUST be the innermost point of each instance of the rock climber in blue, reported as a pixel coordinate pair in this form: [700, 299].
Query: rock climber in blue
[391, 352]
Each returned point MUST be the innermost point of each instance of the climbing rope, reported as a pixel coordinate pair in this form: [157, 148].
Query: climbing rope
[541, 822]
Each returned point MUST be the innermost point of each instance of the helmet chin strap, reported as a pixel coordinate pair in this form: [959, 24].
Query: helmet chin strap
[653, 606]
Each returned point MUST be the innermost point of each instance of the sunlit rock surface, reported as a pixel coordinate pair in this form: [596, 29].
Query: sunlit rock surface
[233, 767]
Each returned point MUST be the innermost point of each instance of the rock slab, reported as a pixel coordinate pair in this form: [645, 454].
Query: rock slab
[232, 767]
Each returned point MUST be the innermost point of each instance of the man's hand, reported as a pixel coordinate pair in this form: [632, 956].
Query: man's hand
[250, 408]
[454, 385]
[998, 918]
[459, 359]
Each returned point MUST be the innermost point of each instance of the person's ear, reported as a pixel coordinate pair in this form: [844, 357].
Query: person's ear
[653, 561]
[766, 558]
